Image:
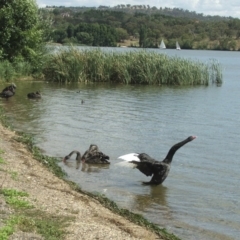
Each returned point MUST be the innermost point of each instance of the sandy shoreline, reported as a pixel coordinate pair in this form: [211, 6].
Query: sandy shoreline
[54, 196]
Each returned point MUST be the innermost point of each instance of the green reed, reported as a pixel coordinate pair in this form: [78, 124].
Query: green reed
[10, 71]
[135, 67]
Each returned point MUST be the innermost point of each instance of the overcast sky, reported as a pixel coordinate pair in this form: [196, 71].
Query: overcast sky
[207, 7]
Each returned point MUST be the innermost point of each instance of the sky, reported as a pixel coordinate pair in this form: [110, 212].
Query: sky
[227, 8]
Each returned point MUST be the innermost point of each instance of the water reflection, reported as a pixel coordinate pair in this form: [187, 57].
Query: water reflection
[96, 168]
[156, 195]
[84, 167]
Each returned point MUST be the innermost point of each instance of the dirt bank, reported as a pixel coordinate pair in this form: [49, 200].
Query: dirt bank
[48, 193]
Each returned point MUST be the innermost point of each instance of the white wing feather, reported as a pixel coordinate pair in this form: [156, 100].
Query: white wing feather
[130, 157]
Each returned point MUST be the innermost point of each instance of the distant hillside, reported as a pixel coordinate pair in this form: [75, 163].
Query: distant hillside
[142, 26]
[146, 9]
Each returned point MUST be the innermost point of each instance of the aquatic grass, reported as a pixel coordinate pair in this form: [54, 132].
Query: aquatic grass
[11, 71]
[216, 71]
[133, 67]
[7, 71]
[22, 69]
[65, 66]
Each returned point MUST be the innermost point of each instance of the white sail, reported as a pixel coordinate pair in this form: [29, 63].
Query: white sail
[178, 46]
[162, 45]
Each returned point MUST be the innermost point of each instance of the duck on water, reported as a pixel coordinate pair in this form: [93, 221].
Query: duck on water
[91, 156]
[150, 167]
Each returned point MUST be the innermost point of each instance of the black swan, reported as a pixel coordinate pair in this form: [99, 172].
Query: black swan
[8, 92]
[150, 167]
[34, 95]
[91, 156]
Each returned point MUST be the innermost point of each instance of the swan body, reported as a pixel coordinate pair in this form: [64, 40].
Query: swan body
[150, 167]
[8, 92]
[34, 95]
[91, 156]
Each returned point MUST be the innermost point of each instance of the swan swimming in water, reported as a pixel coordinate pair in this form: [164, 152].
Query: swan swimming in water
[150, 167]
[34, 95]
[91, 156]
[8, 92]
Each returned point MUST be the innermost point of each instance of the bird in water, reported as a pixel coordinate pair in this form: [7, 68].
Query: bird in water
[34, 95]
[91, 156]
[8, 91]
[150, 167]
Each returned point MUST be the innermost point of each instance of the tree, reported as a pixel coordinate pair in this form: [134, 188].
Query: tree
[59, 35]
[122, 34]
[21, 29]
[142, 36]
[70, 30]
[85, 38]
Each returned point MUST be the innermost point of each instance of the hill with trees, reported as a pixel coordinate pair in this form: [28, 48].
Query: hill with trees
[143, 26]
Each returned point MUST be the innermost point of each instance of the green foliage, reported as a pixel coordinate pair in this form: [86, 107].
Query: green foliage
[7, 71]
[8, 229]
[48, 226]
[12, 198]
[143, 36]
[173, 25]
[12, 70]
[22, 30]
[141, 67]
[19, 20]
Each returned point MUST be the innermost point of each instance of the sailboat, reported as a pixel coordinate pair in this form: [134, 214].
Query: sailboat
[178, 46]
[162, 45]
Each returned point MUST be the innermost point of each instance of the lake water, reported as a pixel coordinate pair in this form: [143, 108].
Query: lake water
[200, 199]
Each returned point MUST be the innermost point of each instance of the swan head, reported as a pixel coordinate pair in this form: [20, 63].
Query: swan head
[192, 138]
[65, 159]
[14, 85]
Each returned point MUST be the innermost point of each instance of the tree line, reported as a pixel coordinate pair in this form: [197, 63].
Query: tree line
[108, 27]
[25, 31]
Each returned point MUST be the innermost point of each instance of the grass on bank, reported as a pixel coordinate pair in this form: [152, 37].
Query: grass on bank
[133, 67]
[53, 225]
[28, 219]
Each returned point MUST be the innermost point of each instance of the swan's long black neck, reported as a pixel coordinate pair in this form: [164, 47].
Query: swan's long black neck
[78, 157]
[174, 148]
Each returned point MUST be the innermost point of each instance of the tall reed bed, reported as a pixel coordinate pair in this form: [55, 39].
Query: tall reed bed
[10, 71]
[133, 67]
